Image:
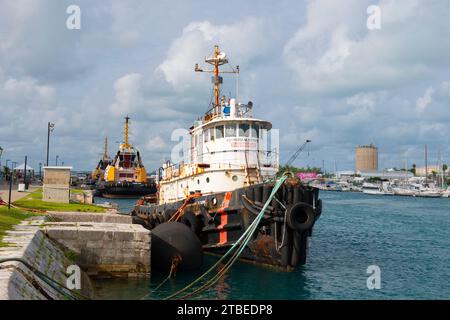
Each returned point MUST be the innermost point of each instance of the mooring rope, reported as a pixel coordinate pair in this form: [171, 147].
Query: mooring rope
[240, 244]
[71, 295]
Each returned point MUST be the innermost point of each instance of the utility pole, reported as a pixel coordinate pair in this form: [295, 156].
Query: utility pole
[50, 128]
[25, 174]
[10, 188]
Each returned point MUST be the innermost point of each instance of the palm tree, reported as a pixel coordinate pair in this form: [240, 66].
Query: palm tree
[413, 170]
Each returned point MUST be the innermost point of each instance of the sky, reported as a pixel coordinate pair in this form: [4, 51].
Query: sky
[313, 68]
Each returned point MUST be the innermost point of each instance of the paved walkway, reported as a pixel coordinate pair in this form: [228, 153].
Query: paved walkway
[15, 195]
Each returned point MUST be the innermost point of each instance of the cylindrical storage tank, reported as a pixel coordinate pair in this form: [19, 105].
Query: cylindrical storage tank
[366, 158]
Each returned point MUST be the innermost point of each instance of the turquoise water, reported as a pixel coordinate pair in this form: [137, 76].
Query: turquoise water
[408, 238]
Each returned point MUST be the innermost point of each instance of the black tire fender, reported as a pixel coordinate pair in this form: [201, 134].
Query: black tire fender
[300, 216]
[168, 213]
[189, 219]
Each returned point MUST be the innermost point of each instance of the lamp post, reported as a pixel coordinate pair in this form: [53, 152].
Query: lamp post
[10, 188]
[50, 128]
[25, 173]
[14, 164]
[1, 169]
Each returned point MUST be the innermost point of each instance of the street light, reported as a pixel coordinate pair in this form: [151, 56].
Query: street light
[50, 128]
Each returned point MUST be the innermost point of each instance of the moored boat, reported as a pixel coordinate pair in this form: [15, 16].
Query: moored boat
[125, 176]
[223, 184]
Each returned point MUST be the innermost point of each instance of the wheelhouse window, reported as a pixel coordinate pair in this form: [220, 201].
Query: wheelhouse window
[230, 131]
[244, 130]
[211, 134]
[255, 131]
[206, 134]
[219, 132]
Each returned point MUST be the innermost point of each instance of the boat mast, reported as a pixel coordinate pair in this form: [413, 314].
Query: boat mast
[426, 165]
[126, 144]
[218, 59]
[105, 149]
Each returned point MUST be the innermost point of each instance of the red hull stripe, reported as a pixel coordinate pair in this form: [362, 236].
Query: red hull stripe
[224, 218]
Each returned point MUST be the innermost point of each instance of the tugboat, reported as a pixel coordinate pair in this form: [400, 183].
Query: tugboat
[229, 174]
[99, 172]
[125, 176]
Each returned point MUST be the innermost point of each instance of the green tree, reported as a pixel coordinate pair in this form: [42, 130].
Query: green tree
[434, 174]
[6, 171]
[444, 168]
[413, 169]
[296, 170]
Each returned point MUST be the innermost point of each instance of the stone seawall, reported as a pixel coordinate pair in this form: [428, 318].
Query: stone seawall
[29, 243]
[102, 245]
[105, 249]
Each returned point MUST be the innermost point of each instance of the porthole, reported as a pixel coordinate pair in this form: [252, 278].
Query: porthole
[235, 178]
[207, 179]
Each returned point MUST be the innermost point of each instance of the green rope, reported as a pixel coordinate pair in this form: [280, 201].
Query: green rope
[241, 243]
[69, 294]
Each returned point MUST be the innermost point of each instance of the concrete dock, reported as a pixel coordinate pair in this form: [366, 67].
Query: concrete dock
[101, 244]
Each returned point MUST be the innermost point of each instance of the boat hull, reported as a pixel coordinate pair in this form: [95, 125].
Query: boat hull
[125, 190]
[220, 219]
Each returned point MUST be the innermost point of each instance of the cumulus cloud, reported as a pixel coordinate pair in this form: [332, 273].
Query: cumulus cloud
[334, 52]
[313, 69]
[423, 102]
[247, 39]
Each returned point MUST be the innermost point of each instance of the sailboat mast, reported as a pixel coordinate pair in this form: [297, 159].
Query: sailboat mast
[426, 165]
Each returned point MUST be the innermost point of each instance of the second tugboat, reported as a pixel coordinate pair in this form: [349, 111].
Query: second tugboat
[229, 175]
[125, 176]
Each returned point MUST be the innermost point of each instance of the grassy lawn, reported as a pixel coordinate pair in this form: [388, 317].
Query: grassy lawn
[34, 201]
[9, 218]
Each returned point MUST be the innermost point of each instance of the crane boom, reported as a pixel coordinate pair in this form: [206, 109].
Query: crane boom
[296, 154]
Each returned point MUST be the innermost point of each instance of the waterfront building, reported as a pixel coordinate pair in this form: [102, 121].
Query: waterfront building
[420, 171]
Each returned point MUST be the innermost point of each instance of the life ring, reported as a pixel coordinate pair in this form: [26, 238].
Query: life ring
[300, 217]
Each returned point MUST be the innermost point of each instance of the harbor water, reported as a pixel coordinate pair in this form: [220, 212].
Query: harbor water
[407, 238]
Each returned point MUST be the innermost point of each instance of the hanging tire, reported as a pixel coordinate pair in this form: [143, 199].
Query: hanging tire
[189, 219]
[168, 213]
[137, 220]
[300, 217]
